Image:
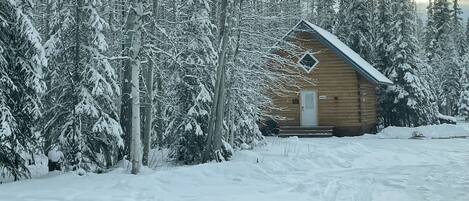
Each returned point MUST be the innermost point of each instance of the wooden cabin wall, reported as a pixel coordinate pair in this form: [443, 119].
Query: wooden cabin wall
[350, 103]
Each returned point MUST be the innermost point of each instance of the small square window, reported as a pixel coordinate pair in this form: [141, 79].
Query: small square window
[309, 62]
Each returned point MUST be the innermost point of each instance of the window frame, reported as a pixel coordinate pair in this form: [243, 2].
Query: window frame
[312, 67]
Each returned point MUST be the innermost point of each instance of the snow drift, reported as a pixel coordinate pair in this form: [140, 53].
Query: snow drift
[430, 132]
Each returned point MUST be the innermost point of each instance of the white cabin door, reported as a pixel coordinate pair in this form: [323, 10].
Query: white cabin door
[309, 109]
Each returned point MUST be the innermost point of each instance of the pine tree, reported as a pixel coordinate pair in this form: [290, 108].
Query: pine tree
[408, 101]
[22, 60]
[82, 118]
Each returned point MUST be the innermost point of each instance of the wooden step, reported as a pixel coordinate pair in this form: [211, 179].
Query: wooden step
[306, 128]
[306, 135]
[305, 131]
[319, 131]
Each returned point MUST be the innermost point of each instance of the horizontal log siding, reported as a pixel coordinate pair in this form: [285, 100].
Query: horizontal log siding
[337, 80]
[369, 101]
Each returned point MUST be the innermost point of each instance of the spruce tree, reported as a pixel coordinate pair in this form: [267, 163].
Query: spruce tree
[195, 89]
[81, 117]
[325, 14]
[463, 104]
[384, 36]
[354, 27]
[442, 55]
[458, 32]
[408, 101]
[22, 60]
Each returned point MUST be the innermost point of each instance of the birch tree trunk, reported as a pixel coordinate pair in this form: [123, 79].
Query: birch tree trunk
[148, 76]
[147, 113]
[214, 138]
[132, 64]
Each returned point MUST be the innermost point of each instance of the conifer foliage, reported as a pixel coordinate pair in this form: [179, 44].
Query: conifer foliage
[409, 101]
[91, 78]
[81, 119]
[195, 89]
[22, 60]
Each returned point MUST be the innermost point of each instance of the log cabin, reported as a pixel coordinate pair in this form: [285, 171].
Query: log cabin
[341, 100]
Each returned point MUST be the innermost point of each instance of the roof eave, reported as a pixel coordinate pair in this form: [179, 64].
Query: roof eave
[346, 57]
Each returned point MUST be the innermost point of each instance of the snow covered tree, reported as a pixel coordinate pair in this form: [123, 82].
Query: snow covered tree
[132, 65]
[215, 147]
[81, 117]
[409, 101]
[458, 33]
[430, 31]
[354, 26]
[384, 35]
[325, 14]
[22, 60]
[442, 55]
[463, 104]
[195, 89]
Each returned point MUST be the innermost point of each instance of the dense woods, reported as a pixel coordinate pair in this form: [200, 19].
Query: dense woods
[108, 80]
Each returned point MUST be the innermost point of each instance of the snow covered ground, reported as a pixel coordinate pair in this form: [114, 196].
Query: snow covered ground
[329, 169]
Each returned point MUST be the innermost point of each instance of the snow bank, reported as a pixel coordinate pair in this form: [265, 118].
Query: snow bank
[448, 118]
[429, 132]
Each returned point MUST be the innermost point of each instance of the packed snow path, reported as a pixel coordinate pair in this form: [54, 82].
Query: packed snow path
[349, 169]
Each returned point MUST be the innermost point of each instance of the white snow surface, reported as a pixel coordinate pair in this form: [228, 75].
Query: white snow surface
[432, 131]
[55, 155]
[331, 169]
[364, 65]
[446, 117]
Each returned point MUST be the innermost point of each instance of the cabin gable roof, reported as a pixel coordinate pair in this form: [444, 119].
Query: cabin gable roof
[342, 50]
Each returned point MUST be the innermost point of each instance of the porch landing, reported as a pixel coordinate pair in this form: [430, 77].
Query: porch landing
[306, 132]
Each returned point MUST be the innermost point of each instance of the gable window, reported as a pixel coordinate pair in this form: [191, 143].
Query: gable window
[308, 61]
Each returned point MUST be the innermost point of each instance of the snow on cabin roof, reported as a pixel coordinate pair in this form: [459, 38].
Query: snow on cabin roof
[359, 64]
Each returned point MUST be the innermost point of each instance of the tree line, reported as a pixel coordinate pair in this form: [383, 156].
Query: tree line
[107, 80]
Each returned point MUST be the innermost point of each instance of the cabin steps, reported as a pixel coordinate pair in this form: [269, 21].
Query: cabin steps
[306, 132]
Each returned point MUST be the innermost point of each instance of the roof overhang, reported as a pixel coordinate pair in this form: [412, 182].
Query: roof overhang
[377, 78]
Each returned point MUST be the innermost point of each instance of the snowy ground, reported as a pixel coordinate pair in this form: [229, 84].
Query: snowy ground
[330, 169]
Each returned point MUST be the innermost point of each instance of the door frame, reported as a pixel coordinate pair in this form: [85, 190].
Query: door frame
[316, 109]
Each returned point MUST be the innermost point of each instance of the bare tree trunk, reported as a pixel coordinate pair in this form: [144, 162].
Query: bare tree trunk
[147, 113]
[159, 111]
[214, 138]
[126, 102]
[132, 67]
[136, 145]
[148, 76]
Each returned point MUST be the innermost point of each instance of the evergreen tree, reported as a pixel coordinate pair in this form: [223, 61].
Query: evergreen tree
[82, 118]
[195, 89]
[466, 33]
[384, 36]
[22, 60]
[463, 104]
[458, 32]
[442, 55]
[354, 26]
[408, 101]
[430, 32]
[325, 14]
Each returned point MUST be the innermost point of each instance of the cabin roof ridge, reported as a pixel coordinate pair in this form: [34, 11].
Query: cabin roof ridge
[333, 42]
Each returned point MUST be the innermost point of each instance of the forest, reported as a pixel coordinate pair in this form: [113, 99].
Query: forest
[101, 81]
